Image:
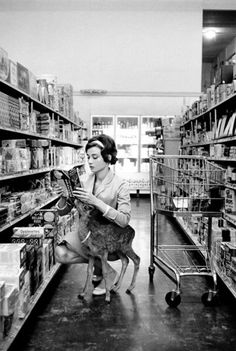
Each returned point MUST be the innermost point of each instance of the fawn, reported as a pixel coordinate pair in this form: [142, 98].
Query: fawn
[100, 237]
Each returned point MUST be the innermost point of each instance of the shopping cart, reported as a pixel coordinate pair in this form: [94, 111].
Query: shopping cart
[188, 188]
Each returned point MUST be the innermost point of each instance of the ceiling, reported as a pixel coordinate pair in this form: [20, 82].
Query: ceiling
[224, 23]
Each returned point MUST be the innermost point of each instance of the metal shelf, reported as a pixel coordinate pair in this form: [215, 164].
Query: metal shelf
[225, 279]
[27, 214]
[8, 88]
[209, 110]
[19, 323]
[25, 173]
[28, 135]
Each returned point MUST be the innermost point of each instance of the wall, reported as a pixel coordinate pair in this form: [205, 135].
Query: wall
[136, 53]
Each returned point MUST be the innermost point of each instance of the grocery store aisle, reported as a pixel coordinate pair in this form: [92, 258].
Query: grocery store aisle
[136, 322]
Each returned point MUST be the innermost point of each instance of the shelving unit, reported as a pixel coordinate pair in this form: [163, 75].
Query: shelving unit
[63, 137]
[212, 134]
[19, 323]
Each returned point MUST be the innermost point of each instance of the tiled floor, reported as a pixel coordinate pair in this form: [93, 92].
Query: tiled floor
[141, 321]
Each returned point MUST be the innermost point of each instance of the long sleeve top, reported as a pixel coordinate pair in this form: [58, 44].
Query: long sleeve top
[113, 191]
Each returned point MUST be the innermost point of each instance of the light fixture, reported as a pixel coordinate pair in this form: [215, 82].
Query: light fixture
[209, 33]
[93, 92]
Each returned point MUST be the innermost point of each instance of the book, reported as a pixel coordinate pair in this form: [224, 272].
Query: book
[68, 179]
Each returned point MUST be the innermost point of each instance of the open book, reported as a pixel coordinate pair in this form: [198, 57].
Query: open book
[68, 180]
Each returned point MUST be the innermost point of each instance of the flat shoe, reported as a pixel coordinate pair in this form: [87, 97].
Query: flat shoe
[99, 291]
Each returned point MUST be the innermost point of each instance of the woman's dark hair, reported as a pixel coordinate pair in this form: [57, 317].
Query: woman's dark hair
[107, 146]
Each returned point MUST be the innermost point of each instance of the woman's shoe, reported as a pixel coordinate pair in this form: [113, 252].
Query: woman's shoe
[100, 289]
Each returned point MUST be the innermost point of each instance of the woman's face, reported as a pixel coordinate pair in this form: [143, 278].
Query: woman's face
[95, 159]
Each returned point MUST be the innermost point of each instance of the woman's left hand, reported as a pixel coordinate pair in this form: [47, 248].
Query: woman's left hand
[85, 196]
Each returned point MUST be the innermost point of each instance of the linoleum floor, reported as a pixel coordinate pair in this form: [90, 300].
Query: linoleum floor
[141, 321]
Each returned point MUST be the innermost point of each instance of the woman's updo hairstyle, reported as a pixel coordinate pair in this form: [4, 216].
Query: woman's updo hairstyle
[107, 146]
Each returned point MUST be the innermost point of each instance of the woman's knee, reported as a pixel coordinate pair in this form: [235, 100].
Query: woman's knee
[61, 254]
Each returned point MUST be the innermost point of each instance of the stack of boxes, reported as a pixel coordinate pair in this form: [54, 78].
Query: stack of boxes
[65, 93]
[15, 289]
[43, 88]
[224, 247]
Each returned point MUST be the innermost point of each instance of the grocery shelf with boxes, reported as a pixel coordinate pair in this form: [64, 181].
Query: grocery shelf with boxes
[208, 129]
[39, 133]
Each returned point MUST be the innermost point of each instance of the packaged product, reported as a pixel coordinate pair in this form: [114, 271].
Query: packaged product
[4, 64]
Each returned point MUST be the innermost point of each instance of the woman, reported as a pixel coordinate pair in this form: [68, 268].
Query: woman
[104, 190]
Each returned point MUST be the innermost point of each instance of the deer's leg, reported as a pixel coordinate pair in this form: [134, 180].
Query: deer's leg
[106, 276]
[125, 261]
[136, 259]
[88, 278]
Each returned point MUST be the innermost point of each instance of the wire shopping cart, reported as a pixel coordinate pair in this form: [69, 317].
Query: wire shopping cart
[187, 188]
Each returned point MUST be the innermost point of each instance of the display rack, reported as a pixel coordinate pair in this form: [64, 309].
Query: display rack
[64, 139]
[212, 134]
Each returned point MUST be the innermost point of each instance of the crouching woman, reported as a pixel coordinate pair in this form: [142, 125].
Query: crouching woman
[108, 193]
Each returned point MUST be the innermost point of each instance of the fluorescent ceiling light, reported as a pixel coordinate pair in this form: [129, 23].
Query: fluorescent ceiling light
[209, 33]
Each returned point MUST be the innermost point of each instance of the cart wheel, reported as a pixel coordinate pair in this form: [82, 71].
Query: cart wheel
[151, 271]
[210, 298]
[173, 298]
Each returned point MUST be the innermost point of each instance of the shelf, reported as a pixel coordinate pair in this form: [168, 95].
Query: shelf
[31, 172]
[230, 186]
[230, 218]
[129, 157]
[226, 280]
[221, 159]
[25, 173]
[190, 236]
[209, 110]
[18, 93]
[19, 323]
[223, 140]
[197, 144]
[27, 214]
[214, 141]
[28, 135]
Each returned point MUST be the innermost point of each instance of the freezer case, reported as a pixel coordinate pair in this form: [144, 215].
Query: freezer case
[102, 125]
[127, 141]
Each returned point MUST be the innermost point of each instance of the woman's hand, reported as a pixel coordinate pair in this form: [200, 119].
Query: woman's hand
[85, 196]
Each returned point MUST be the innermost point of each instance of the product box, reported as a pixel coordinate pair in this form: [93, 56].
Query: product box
[230, 251]
[43, 217]
[29, 235]
[4, 64]
[33, 85]
[12, 76]
[13, 254]
[230, 201]
[14, 143]
[22, 78]
[12, 275]
[45, 259]
[24, 298]
[2, 291]
[51, 256]
[10, 299]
